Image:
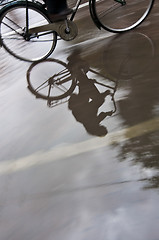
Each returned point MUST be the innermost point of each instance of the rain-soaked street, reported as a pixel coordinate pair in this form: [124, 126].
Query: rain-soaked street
[66, 173]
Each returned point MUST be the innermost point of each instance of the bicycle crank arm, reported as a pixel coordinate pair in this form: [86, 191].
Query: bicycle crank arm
[66, 29]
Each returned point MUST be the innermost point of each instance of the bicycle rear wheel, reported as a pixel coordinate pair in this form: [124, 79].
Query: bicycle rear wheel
[13, 32]
[120, 15]
[50, 80]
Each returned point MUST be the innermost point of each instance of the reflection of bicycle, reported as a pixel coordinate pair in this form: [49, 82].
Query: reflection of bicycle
[54, 81]
[89, 100]
[27, 33]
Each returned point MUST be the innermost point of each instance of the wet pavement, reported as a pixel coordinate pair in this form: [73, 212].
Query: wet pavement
[61, 175]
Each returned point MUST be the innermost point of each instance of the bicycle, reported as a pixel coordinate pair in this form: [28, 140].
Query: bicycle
[55, 81]
[27, 33]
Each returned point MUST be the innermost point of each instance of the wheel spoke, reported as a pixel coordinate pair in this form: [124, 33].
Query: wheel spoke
[40, 87]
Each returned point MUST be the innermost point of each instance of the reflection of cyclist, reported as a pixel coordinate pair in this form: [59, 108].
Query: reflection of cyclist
[85, 104]
[57, 9]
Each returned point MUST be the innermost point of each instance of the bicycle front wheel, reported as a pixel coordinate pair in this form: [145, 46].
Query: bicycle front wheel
[13, 32]
[120, 15]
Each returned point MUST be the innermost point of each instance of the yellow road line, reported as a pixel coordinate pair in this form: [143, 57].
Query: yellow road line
[65, 151]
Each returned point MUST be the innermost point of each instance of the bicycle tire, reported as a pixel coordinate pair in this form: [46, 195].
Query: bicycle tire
[50, 80]
[4, 2]
[12, 32]
[119, 15]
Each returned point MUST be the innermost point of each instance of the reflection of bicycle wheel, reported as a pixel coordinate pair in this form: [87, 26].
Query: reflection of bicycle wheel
[50, 79]
[128, 55]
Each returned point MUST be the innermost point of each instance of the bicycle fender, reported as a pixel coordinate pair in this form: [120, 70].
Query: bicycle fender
[93, 14]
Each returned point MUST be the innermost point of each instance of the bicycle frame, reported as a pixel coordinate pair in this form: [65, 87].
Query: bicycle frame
[75, 10]
[70, 26]
[27, 17]
[91, 10]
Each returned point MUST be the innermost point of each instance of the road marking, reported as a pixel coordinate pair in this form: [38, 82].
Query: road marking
[85, 4]
[65, 151]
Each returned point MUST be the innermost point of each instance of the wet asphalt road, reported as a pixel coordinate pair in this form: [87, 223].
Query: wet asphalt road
[58, 178]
